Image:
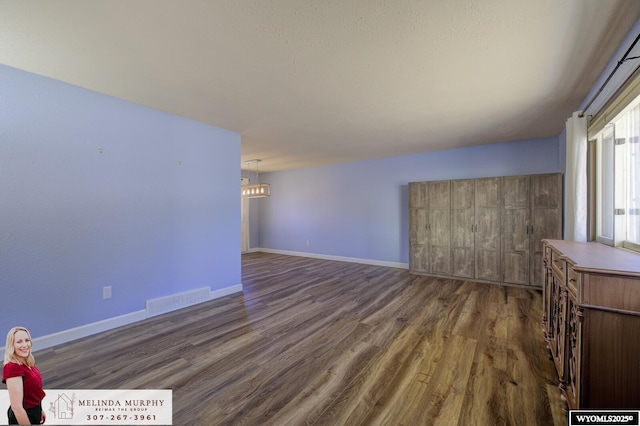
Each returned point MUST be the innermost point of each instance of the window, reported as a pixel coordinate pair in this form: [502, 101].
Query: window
[617, 180]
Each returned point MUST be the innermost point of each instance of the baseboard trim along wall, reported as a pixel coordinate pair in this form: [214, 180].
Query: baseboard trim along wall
[338, 258]
[71, 334]
[162, 305]
[216, 294]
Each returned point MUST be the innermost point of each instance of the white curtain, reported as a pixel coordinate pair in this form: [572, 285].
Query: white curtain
[575, 191]
[244, 222]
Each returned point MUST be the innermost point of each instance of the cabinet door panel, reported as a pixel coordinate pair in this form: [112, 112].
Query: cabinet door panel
[418, 194]
[440, 195]
[517, 269]
[515, 192]
[440, 227]
[418, 227]
[515, 246]
[546, 191]
[462, 262]
[516, 255]
[488, 265]
[487, 236]
[515, 236]
[418, 219]
[462, 226]
[440, 260]
[440, 241]
[546, 225]
[418, 258]
[546, 218]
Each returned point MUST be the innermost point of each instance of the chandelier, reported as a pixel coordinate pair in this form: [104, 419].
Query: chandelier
[256, 190]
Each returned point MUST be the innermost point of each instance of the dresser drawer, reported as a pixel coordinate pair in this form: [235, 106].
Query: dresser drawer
[574, 282]
[558, 266]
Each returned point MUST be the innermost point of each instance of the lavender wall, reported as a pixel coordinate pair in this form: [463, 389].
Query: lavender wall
[157, 213]
[360, 209]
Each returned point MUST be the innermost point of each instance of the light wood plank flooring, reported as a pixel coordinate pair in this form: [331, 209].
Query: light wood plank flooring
[317, 342]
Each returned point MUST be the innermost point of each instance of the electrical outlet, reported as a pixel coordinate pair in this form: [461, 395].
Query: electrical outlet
[106, 292]
[307, 242]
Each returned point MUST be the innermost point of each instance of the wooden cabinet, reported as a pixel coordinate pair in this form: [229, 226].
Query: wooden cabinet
[475, 228]
[532, 210]
[486, 229]
[591, 321]
[430, 227]
[462, 228]
[516, 207]
[418, 227]
[439, 236]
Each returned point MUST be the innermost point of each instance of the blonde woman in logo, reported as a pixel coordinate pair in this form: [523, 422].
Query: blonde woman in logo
[23, 379]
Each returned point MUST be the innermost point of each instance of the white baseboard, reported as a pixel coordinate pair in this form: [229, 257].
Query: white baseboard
[216, 294]
[75, 333]
[338, 258]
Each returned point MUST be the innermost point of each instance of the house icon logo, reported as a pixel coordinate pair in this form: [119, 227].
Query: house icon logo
[62, 406]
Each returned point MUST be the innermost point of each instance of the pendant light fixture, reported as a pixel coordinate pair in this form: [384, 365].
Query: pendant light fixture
[256, 190]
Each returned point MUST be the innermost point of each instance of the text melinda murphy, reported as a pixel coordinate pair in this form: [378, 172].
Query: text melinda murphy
[104, 406]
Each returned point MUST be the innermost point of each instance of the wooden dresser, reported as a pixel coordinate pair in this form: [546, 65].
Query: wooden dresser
[591, 322]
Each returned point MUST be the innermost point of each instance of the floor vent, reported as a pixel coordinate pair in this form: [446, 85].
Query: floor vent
[170, 303]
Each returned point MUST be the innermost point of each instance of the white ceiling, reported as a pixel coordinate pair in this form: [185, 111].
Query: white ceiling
[317, 82]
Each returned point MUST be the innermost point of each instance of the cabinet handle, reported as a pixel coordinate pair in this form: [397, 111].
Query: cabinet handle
[527, 229]
[572, 280]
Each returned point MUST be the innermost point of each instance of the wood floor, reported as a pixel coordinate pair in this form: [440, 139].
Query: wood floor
[317, 342]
